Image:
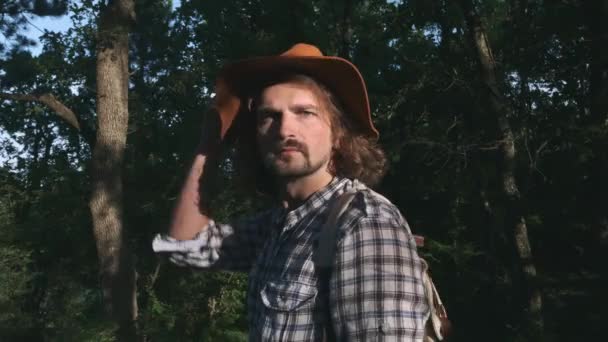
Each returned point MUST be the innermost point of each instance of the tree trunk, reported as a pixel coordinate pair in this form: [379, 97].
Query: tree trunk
[596, 11]
[346, 31]
[500, 109]
[117, 271]
[342, 37]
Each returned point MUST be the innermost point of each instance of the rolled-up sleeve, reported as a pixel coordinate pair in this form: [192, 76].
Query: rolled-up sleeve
[377, 293]
[218, 246]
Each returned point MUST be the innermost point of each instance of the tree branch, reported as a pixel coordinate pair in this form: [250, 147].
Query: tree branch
[50, 101]
[65, 113]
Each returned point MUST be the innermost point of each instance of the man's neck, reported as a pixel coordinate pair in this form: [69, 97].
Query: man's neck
[294, 192]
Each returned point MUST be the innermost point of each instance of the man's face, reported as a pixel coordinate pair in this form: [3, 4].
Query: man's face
[293, 131]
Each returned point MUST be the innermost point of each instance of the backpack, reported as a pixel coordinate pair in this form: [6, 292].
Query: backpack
[437, 326]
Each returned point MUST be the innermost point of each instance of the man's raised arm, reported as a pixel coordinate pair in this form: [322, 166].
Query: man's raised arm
[188, 217]
[191, 212]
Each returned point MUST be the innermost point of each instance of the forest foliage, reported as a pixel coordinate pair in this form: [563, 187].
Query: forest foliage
[431, 103]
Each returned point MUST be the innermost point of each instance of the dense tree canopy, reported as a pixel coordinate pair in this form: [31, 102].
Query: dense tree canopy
[494, 116]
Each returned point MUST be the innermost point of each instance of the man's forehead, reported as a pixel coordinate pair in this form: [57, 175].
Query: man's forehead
[298, 93]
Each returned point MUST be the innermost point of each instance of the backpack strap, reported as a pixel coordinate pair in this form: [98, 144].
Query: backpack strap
[325, 254]
[326, 251]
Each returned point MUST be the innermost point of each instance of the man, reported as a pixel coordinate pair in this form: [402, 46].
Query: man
[305, 136]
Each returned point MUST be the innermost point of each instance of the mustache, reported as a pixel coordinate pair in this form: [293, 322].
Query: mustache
[291, 143]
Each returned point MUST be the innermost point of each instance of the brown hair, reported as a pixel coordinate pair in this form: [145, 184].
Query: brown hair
[355, 155]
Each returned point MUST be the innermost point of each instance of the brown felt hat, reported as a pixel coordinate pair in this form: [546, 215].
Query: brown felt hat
[236, 81]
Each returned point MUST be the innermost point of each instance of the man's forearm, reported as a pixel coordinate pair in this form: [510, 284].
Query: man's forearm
[188, 216]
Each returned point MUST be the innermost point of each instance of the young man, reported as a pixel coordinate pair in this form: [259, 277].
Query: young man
[303, 120]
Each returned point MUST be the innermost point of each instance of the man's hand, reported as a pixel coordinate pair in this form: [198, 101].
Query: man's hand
[191, 212]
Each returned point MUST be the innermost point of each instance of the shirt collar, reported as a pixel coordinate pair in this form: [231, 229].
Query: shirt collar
[315, 201]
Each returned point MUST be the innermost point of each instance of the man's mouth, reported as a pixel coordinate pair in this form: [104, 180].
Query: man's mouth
[287, 152]
[289, 147]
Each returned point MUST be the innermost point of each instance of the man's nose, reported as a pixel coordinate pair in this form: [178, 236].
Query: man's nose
[286, 125]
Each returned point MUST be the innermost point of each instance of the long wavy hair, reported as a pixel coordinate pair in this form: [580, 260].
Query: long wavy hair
[355, 155]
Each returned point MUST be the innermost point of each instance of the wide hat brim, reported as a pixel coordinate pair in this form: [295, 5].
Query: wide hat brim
[237, 80]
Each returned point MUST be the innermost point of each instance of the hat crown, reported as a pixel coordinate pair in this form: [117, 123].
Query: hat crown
[303, 50]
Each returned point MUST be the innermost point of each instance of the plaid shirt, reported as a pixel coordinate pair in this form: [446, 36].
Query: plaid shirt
[376, 291]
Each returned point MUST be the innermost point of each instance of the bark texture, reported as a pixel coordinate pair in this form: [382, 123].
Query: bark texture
[516, 222]
[117, 271]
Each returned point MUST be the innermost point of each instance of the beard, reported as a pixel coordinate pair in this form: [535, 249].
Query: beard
[294, 164]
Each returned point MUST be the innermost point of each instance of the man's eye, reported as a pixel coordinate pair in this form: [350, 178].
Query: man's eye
[265, 115]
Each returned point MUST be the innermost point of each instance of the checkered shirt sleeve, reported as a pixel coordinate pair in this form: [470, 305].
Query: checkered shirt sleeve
[376, 290]
[230, 247]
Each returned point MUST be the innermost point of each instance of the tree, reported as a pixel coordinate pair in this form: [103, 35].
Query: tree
[13, 18]
[116, 262]
[514, 213]
[117, 269]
